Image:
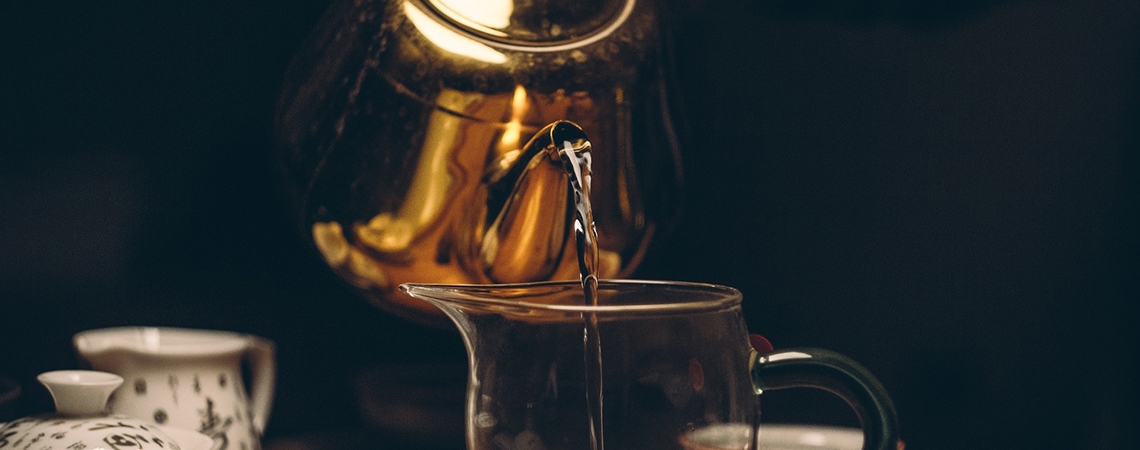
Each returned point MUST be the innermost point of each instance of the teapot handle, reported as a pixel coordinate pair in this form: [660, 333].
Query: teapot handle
[263, 380]
[835, 373]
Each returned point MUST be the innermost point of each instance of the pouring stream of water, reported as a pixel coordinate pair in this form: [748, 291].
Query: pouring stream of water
[577, 165]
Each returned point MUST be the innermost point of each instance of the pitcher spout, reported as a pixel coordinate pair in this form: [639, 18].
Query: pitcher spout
[117, 340]
[97, 344]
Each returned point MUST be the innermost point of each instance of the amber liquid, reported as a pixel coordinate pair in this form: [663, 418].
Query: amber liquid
[577, 165]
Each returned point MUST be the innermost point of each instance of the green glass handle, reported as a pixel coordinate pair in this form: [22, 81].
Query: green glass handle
[835, 373]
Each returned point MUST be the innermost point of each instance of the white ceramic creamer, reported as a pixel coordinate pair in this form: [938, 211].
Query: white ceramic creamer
[188, 379]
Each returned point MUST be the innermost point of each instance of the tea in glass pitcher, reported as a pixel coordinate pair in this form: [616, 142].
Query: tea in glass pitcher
[674, 368]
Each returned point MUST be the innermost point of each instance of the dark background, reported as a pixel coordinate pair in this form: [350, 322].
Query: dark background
[945, 191]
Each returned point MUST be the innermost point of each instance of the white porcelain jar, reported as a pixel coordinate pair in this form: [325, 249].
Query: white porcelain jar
[81, 421]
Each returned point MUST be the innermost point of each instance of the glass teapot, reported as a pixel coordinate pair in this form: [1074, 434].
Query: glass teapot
[397, 117]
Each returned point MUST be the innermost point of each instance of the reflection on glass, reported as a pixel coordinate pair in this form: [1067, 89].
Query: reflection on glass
[488, 16]
[448, 39]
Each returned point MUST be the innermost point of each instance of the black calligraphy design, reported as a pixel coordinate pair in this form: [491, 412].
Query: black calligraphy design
[35, 439]
[214, 426]
[172, 381]
[4, 438]
[104, 425]
[131, 441]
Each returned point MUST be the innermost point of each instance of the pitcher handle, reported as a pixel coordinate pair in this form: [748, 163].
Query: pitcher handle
[835, 373]
[263, 380]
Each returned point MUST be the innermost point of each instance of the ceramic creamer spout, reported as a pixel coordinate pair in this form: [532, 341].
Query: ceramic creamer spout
[530, 209]
[123, 340]
[157, 341]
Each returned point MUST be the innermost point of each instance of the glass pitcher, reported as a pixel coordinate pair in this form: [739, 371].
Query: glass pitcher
[675, 370]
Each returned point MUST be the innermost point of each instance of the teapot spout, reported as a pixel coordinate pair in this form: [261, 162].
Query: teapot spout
[530, 210]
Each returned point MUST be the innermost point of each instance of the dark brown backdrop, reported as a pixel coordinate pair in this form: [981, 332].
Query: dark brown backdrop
[945, 191]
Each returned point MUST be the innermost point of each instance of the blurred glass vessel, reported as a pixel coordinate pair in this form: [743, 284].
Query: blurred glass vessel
[399, 118]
